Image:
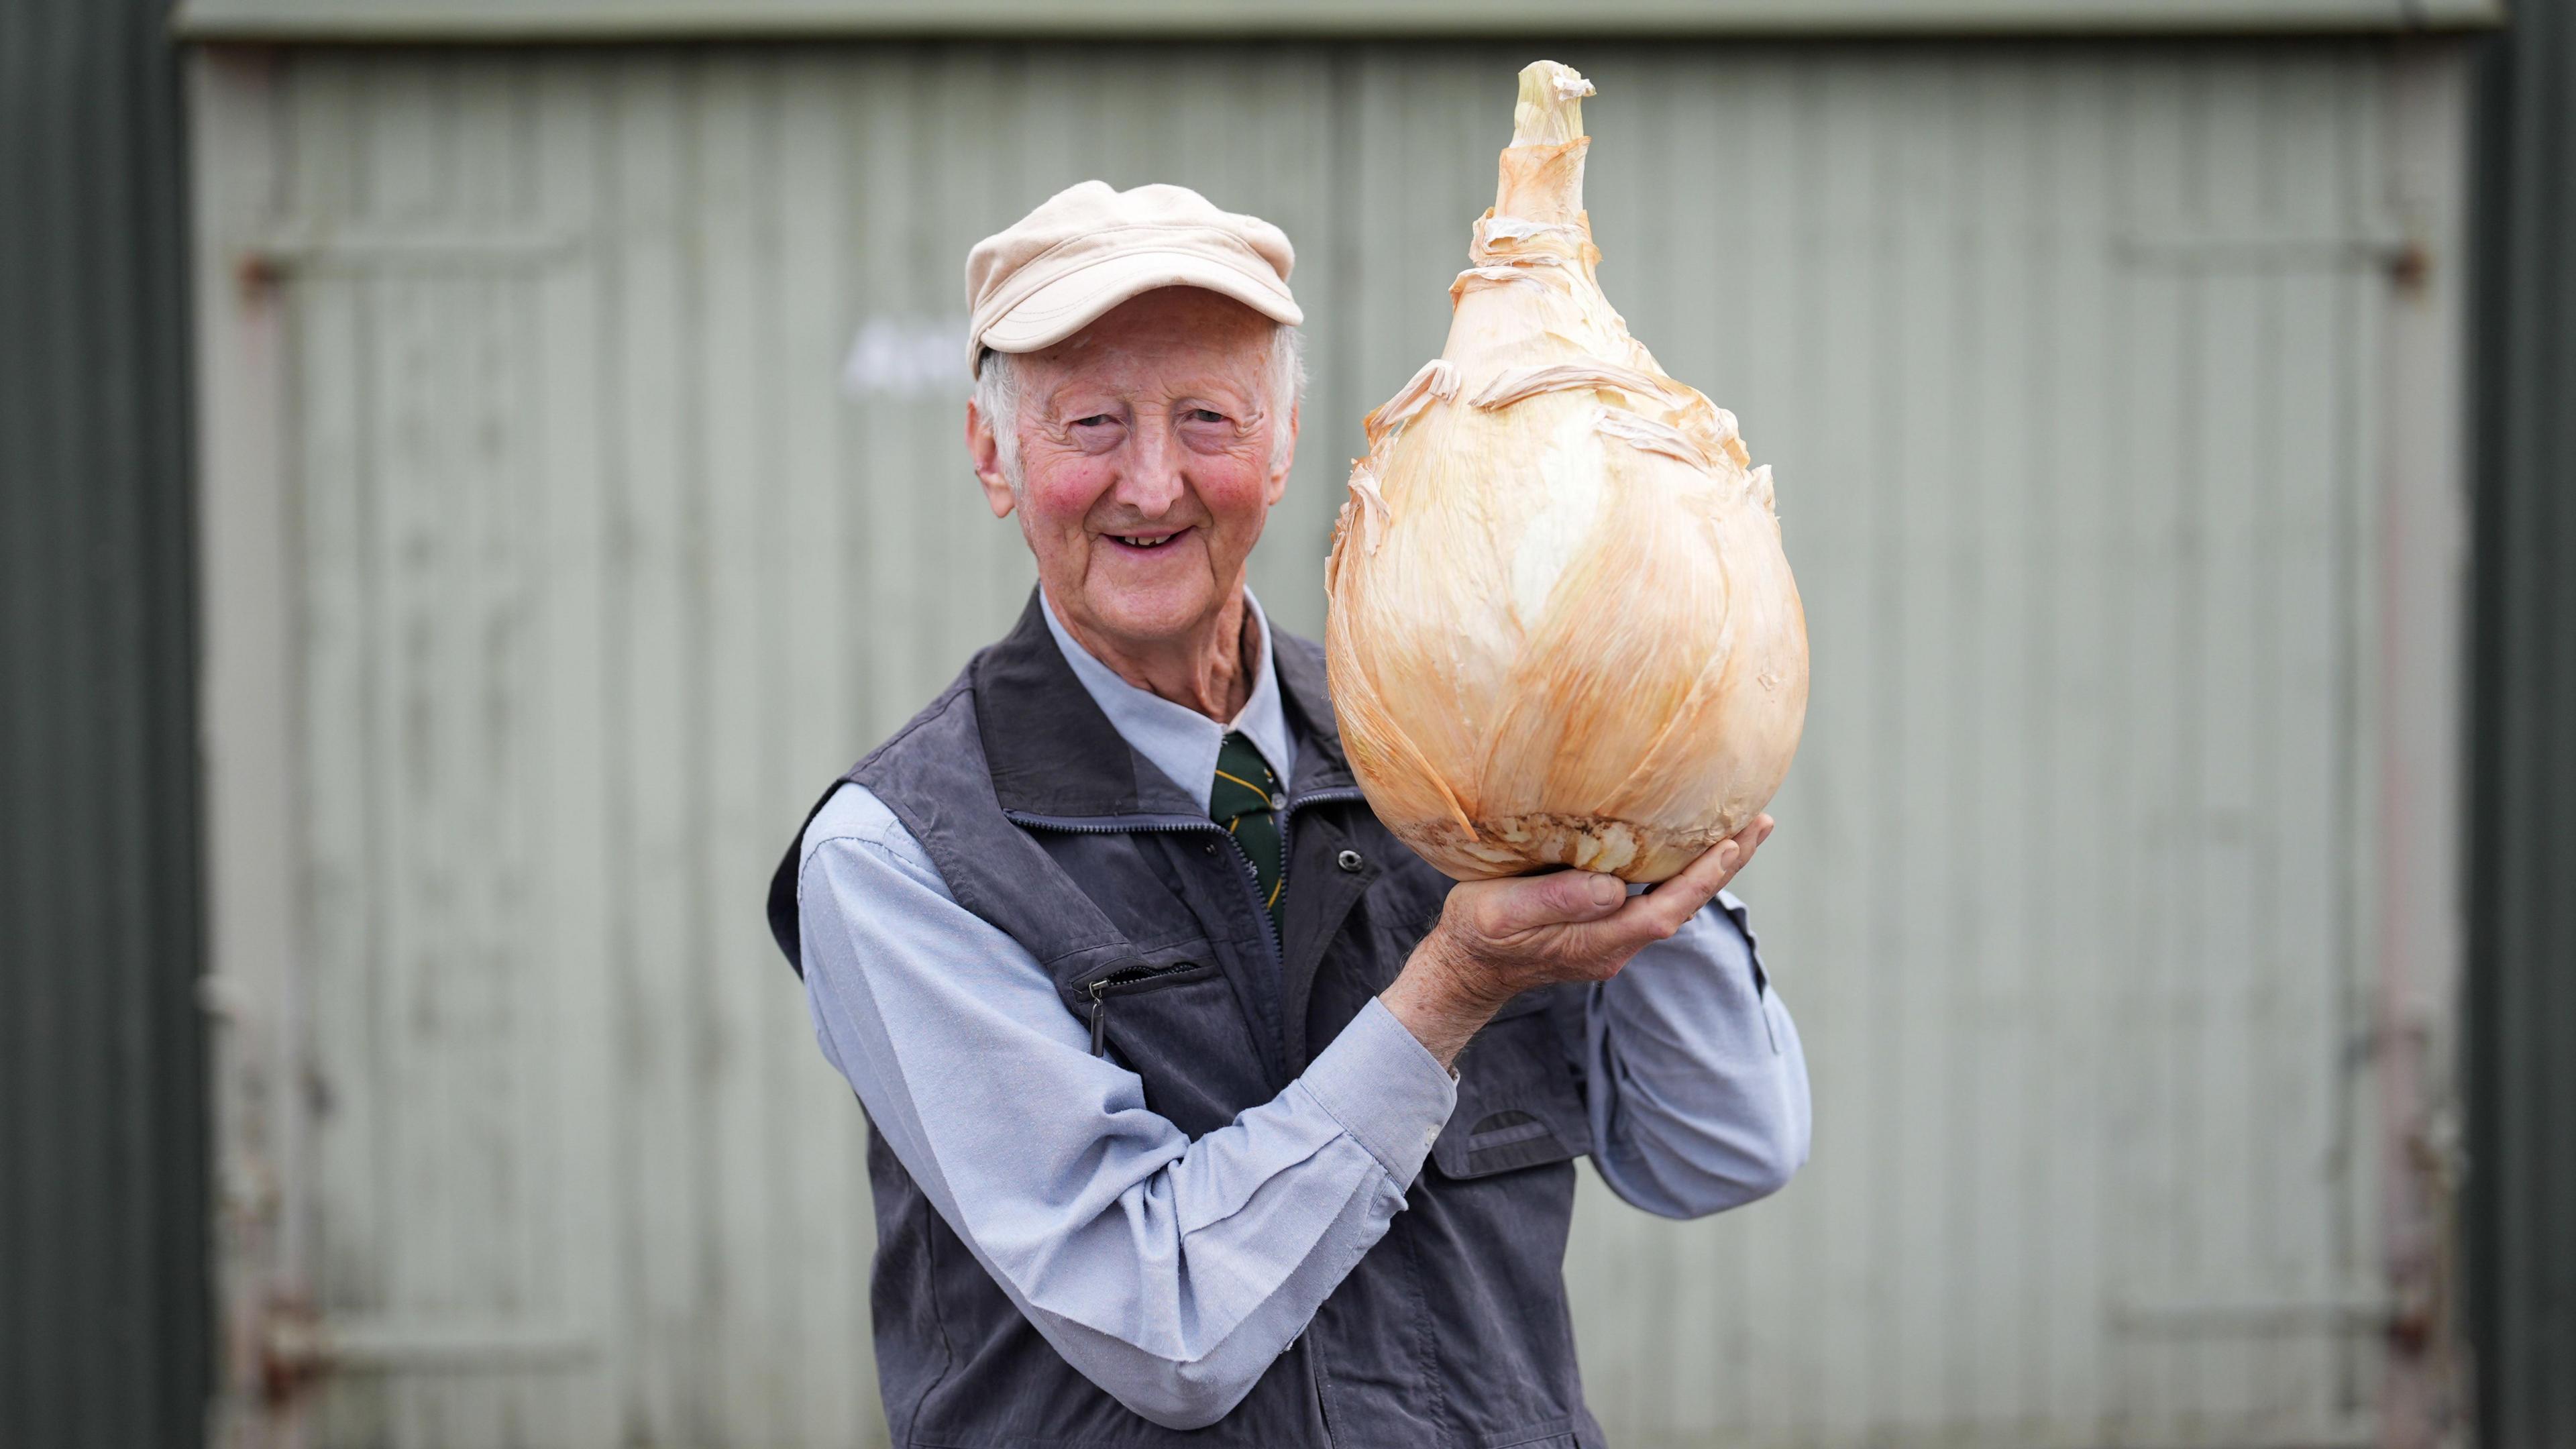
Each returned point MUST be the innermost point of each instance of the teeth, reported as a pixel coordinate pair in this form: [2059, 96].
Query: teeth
[1137, 541]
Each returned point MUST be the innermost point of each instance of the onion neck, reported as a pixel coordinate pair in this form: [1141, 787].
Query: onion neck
[1550, 112]
[1542, 172]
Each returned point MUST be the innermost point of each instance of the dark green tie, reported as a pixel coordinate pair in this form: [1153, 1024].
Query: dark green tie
[1246, 802]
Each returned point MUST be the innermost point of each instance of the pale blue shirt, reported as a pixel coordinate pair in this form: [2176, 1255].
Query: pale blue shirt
[1170, 1272]
[1182, 742]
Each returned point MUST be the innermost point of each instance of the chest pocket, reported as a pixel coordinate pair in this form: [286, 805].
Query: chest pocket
[1173, 1018]
[1520, 1097]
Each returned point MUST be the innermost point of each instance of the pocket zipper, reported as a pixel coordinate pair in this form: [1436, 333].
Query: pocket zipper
[1099, 990]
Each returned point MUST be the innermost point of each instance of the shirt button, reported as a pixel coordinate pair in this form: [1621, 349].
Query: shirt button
[1278, 802]
[1349, 860]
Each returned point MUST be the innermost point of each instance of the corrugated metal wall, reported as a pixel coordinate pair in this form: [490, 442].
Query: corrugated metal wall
[2069, 362]
[2522, 1233]
[103, 1193]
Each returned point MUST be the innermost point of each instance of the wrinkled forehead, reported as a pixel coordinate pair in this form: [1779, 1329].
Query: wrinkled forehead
[1173, 339]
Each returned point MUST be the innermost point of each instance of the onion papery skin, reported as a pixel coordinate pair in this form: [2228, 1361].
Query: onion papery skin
[1562, 629]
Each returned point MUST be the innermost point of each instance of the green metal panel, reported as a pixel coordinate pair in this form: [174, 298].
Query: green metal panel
[2069, 358]
[451, 20]
[103, 1197]
[2522, 1008]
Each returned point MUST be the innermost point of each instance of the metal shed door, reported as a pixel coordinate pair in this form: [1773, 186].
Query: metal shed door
[561, 545]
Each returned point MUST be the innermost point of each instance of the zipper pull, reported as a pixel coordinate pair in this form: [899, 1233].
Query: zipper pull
[1099, 1021]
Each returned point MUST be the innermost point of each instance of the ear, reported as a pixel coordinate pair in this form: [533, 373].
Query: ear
[984, 450]
[1278, 487]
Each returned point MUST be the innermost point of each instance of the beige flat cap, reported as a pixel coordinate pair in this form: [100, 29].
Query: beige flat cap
[1089, 248]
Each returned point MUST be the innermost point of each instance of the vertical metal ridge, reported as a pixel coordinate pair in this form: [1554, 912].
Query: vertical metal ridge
[2522, 993]
[103, 1208]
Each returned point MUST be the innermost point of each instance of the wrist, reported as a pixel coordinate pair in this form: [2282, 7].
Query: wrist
[1463, 979]
[1444, 996]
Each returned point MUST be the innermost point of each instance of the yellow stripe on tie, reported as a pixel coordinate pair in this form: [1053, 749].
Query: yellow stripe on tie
[1247, 784]
[1274, 891]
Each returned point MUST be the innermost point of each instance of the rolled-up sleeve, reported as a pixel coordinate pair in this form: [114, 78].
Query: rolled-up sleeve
[1697, 1087]
[1169, 1272]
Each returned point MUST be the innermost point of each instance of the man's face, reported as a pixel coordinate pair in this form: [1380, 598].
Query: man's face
[1146, 463]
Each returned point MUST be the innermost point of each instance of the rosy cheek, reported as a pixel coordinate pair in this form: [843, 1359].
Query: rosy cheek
[1064, 491]
[1234, 489]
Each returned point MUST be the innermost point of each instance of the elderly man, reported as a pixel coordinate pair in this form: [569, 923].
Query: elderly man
[1199, 1103]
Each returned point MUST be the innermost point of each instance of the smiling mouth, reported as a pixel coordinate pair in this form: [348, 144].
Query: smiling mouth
[1145, 540]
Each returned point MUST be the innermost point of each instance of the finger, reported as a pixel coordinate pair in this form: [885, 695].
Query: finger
[1663, 910]
[1752, 833]
[1749, 840]
[1566, 897]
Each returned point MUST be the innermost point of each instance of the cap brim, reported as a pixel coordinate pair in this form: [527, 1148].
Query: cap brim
[1075, 300]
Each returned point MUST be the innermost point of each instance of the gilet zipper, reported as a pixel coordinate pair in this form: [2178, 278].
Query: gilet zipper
[1099, 992]
[1182, 825]
[1185, 824]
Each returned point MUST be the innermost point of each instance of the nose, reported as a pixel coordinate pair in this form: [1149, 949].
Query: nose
[1151, 481]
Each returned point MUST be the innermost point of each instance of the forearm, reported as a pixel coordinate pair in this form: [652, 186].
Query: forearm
[1443, 997]
[1169, 1271]
[1193, 1392]
[1696, 1081]
[1497, 939]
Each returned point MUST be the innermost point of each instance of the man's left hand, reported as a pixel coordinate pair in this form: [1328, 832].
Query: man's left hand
[1499, 938]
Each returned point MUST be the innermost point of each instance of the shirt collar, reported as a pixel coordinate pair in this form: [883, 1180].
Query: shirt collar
[1180, 741]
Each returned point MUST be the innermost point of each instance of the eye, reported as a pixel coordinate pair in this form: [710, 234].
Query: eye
[1096, 420]
[1204, 415]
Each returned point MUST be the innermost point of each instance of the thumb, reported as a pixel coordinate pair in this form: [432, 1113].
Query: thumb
[1566, 897]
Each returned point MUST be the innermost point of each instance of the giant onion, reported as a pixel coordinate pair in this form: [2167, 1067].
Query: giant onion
[1562, 630]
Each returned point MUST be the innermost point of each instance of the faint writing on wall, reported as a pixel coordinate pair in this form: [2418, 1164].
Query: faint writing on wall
[909, 357]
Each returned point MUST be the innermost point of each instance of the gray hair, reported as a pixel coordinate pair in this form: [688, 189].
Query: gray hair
[997, 396]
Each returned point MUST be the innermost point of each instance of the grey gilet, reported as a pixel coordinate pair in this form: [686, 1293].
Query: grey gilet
[1453, 1329]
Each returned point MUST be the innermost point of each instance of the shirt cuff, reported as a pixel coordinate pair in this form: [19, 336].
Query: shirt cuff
[1385, 1089]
